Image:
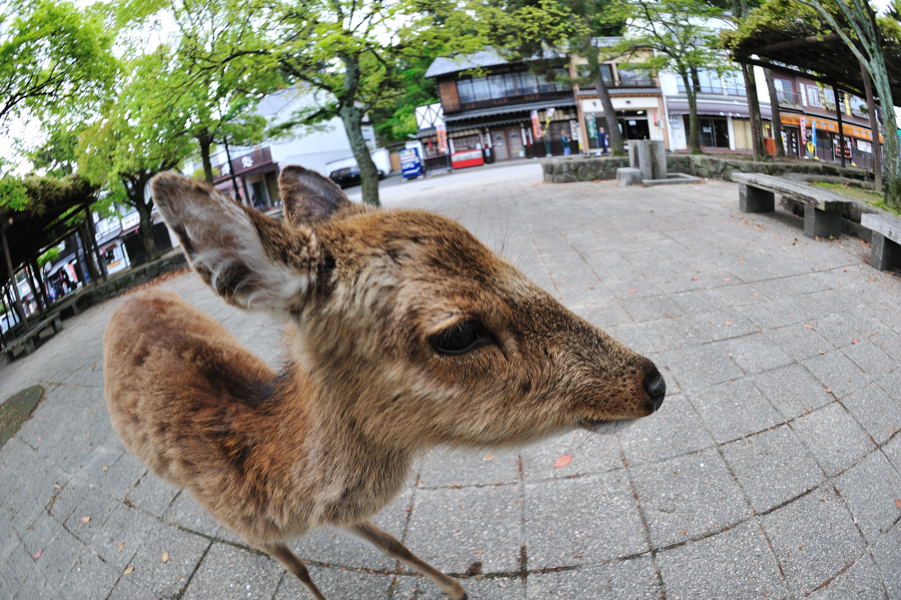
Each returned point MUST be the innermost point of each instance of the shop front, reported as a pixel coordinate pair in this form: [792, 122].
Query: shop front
[638, 118]
[817, 138]
[252, 179]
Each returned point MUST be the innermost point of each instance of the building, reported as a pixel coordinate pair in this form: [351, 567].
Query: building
[495, 110]
[810, 121]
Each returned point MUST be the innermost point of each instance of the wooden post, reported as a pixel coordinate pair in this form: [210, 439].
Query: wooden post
[874, 127]
[838, 114]
[776, 113]
[4, 224]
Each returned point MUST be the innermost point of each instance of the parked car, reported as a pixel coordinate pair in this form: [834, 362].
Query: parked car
[348, 176]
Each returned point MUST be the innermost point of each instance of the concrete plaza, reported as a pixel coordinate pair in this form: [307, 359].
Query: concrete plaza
[771, 471]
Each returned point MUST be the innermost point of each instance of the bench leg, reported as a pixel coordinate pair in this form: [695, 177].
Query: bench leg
[57, 325]
[821, 223]
[28, 347]
[885, 253]
[754, 200]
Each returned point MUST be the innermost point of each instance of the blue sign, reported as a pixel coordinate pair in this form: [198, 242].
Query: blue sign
[410, 165]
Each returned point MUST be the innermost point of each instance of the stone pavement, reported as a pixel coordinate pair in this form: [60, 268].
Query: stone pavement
[772, 469]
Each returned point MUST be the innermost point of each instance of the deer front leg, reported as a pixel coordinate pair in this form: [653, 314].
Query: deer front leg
[293, 565]
[393, 548]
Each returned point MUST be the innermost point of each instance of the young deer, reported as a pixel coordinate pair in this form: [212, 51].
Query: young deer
[404, 332]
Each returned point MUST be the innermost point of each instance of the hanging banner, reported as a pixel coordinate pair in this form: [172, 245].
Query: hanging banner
[536, 125]
[441, 134]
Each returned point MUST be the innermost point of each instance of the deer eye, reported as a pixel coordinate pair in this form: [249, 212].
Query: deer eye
[461, 338]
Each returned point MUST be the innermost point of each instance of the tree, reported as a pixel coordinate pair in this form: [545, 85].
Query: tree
[221, 74]
[354, 51]
[856, 24]
[527, 29]
[139, 134]
[50, 53]
[683, 41]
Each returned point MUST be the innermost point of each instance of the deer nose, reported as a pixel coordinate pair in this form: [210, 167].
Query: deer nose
[655, 387]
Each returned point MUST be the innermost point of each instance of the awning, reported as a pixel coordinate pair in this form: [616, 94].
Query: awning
[508, 109]
[707, 108]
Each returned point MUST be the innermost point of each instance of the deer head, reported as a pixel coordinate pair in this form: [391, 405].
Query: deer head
[404, 324]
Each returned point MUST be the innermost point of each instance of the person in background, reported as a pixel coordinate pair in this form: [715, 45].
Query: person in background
[603, 142]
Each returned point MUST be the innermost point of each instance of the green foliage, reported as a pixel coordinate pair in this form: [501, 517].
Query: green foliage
[13, 196]
[51, 54]
[49, 256]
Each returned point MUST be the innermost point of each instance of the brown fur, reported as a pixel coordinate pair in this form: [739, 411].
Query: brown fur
[330, 440]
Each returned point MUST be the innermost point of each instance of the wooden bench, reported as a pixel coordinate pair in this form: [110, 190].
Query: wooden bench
[24, 342]
[822, 208]
[885, 240]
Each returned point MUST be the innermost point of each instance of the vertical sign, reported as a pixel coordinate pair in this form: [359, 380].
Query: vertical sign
[536, 126]
[441, 133]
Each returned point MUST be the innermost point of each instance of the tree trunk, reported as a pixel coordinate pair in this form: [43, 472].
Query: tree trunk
[694, 133]
[20, 310]
[146, 219]
[874, 127]
[205, 142]
[34, 287]
[613, 134]
[754, 112]
[776, 112]
[352, 117]
[892, 183]
[87, 249]
[92, 233]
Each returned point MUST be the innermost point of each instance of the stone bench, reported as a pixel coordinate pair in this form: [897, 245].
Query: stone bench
[24, 343]
[822, 208]
[885, 240]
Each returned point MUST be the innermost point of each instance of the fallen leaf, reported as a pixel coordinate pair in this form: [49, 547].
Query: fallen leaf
[165, 557]
[828, 390]
[696, 279]
[86, 519]
[128, 570]
[120, 546]
[854, 340]
[37, 554]
[727, 279]
[821, 352]
[563, 461]
[755, 294]
[729, 323]
[632, 291]
[898, 503]
[808, 326]
[105, 468]
[741, 259]
[488, 458]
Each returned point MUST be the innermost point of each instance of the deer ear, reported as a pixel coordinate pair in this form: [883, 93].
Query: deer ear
[250, 260]
[309, 197]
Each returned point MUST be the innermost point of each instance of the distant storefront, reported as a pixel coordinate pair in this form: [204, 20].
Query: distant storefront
[251, 179]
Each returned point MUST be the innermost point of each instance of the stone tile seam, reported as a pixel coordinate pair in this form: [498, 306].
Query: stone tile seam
[184, 588]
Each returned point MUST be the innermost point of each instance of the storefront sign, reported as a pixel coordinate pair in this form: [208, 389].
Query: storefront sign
[410, 165]
[467, 158]
[536, 125]
[441, 134]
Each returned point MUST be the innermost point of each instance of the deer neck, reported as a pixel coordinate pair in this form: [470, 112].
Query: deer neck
[347, 474]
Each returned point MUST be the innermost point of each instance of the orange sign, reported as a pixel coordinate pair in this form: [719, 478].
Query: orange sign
[848, 129]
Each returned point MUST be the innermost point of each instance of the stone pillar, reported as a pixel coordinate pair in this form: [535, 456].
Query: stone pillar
[885, 254]
[755, 200]
[822, 223]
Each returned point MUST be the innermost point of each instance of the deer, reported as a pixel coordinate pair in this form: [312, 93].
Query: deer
[402, 332]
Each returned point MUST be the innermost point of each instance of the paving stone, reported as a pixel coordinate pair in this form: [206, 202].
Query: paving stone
[652, 308]
[581, 521]
[444, 467]
[339, 547]
[792, 390]
[652, 336]
[870, 358]
[453, 528]
[772, 467]
[871, 489]
[699, 366]
[720, 325]
[786, 287]
[861, 582]
[152, 494]
[811, 555]
[734, 409]
[837, 372]
[755, 353]
[608, 314]
[591, 453]
[833, 436]
[799, 341]
[874, 408]
[89, 577]
[477, 588]
[687, 497]
[635, 579]
[121, 534]
[166, 578]
[843, 328]
[892, 451]
[185, 512]
[887, 554]
[336, 583]
[234, 574]
[734, 564]
[738, 295]
[675, 429]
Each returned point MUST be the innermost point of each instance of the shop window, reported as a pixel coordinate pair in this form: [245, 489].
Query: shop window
[812, 96]
[733, 83]
[785, 92]
[587, 76]
[467, 142]
[634, 76]
[829, 95]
